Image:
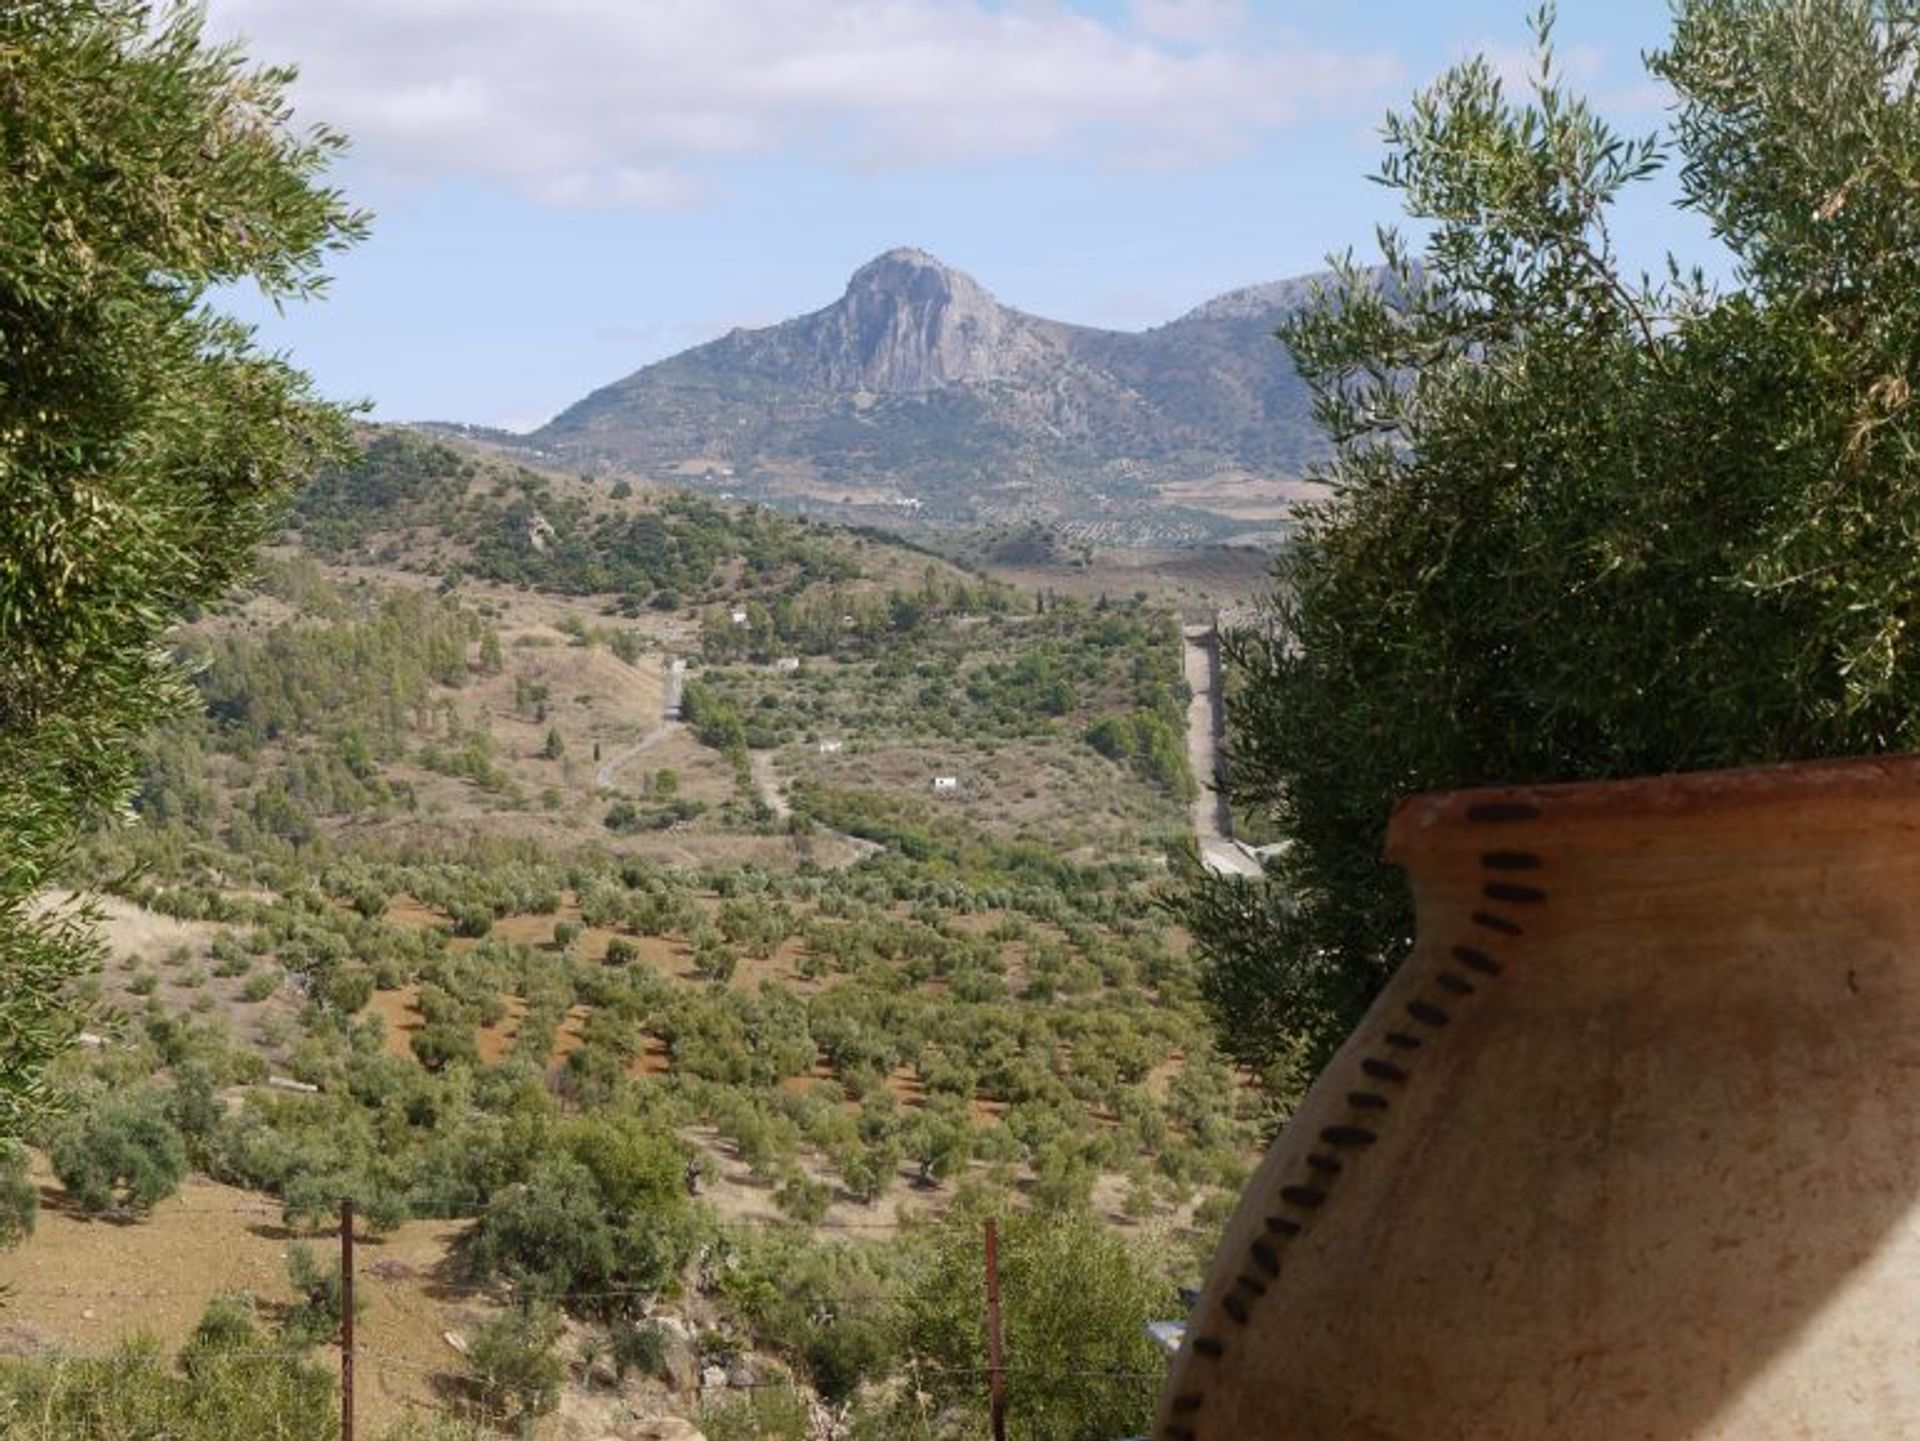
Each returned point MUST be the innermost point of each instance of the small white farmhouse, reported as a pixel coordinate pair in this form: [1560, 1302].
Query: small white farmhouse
[738, 617]
[831, 748]
[787, 664]
[945, 785]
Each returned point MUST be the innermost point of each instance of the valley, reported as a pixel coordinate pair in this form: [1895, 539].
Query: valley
[534, 822]
[620, 824]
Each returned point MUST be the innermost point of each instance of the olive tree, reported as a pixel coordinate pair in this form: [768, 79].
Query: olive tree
[1076, 1298]
[144, 441]
[1583, 523]
[123, 1155]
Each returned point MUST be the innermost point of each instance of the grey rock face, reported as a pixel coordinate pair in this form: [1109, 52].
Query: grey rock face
[918, 383]
[907, 323]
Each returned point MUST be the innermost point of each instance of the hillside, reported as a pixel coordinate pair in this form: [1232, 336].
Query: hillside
[569, 848]
[917, 395]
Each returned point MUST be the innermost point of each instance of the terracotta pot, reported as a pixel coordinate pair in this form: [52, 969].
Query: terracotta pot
[1629, 1148]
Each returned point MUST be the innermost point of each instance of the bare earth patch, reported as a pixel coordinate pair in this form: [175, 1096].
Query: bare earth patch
[86, 1286]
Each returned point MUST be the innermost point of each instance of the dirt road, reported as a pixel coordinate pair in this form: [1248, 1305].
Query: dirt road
[1206, 728]
[675, 676]
[766, 781]
[610, 769]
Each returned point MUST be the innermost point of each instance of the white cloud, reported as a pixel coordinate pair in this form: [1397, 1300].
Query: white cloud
[654, 187]
[621, 102]
[1518, 66]
[1649, 99]
[1187, 19]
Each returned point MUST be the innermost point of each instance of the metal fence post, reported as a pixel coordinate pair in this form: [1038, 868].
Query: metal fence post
[996, 1359]
[346, 1318]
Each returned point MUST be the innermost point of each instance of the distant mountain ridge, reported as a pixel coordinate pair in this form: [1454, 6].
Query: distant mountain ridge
[917, 389]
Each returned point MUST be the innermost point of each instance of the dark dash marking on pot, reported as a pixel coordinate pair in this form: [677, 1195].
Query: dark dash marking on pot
[1459, 985]
[1499, 925]
[1477, 960]
[1519, 895]
[1510, 861]
[1383, 1070]
[1428, 1012]
[1348, 1136]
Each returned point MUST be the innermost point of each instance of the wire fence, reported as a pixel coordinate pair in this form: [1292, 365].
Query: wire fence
[451, 1385]
[437, 1386]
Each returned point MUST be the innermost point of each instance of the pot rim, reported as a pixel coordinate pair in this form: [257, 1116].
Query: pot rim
[1435, 821]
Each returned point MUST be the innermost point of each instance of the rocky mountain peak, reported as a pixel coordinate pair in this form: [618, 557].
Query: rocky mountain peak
[904, 265]
[1258, 301]
[908, 323]
[915, 385]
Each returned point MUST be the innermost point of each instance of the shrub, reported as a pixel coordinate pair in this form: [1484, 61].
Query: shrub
[851, 1350]
[639, 1347]
[768, 1414]
[1077, 1301]
[124, 1155]
[226, 1326]
[803, 1200]
[512, 1366]
[470, 920]
[226, 1389]
[19, 1197]
[315, 1318]
[608, 1213]
[346, 989]
[440, 1043]
[194, 1106]
[549, 1234]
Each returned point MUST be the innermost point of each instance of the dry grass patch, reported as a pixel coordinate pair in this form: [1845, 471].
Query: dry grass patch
[88, 1285]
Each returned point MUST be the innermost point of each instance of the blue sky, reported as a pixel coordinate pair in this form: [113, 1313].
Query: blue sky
[565, 191]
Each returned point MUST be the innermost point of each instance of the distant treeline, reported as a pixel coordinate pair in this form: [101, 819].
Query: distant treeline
[406, 494]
